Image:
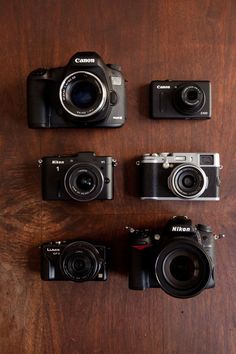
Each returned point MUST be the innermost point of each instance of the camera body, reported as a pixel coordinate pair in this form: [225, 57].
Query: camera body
[73, 260]
[180, 259]
[180, 176]
[180, 99]
[86, 92]
[81, 177]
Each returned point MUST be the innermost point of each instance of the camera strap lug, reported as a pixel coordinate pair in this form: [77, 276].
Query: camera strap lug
[40, 162]
[114, 163]
[218, 237]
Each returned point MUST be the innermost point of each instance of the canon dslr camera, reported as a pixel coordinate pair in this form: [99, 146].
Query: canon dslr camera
[180, 259]
[73, 260]
[85, 92]
[82, 177]
[180, 176]
[181, 99]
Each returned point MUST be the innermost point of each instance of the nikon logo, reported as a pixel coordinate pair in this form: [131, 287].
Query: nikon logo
[53, 249]
[163, 87]
[57, 162]
[180, 228]
[84, 60]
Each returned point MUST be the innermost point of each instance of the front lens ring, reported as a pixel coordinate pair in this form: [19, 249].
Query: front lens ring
[173, 181]
[183, 289]
[64, 95]
[70, 182]
[81, 250]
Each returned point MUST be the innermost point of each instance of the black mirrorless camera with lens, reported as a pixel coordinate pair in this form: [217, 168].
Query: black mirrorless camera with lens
[180, 176]
[82, 177]
[180, 259]
[86, 92]
[180, 99]
[73, 260]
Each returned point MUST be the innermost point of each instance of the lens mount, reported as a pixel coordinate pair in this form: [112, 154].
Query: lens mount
[80, 261]
[189, 99]
[188, 181]
[83, 182]
[82, 95]
[182, 268]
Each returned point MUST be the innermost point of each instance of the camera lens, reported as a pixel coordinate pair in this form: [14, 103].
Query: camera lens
[189, 99]
[83, 95]
[187, 181]
[80, 261]
[183, 268]
[83, 182]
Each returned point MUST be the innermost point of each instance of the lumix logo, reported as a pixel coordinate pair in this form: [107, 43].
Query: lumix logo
[84, 60]
[163, 87]
[53, 249]
[181, 229]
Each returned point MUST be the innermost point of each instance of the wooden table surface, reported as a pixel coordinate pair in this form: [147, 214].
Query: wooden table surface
[166, 39]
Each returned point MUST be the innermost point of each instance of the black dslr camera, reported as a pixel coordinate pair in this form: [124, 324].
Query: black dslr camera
[73, 260]
[180, 259]
[180, 99]
[82, 177]
[86, 92]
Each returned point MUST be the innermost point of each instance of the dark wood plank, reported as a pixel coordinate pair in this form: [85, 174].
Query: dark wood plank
[188, 39]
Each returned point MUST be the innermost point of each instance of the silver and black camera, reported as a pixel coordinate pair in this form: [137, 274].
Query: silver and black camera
[180, 258]
[180, 176]
[180, 99]
[73, 260]
[84, 93]
[82, 177]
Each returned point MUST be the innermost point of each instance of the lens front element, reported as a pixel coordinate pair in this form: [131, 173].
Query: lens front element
[84, 182]
[183, 268]
[82, 94]
[188, 181]
[80, 261]
[189, 99]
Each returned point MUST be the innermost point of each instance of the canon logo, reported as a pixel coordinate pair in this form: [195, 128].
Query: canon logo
[53, 249]
[163, 87]
[180, 228]
[84, 60]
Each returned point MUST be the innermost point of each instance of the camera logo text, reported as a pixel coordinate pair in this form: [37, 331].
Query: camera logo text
[180, 228]
[84, 60]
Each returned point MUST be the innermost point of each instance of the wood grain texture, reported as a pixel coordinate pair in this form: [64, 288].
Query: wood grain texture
[164, 39]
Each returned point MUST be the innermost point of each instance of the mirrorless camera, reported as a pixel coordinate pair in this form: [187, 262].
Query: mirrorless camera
[73, 260]
[180, 259]
[180, 99]
[86, 92]
[180, 176]
[82, 177]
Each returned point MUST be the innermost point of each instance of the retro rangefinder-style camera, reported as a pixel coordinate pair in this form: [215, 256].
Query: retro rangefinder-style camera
[82, 177]
[86, 92]
[180, 258]
[180, 176]
[73, 260]
[180, 99]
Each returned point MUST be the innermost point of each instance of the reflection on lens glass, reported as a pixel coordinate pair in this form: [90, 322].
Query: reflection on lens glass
[182, 268]
[192, 95]
[84, 182]
[188, 181]
[84, 94]
[79, 265]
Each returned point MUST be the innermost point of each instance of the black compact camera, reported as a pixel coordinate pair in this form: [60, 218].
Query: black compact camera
[180, 259]
[180, 99]
[180, 176]
[86, 92]
[82, 177]
[73, 260]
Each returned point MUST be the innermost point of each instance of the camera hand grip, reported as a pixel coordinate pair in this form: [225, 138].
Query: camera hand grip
[36, 107]
[138, 279]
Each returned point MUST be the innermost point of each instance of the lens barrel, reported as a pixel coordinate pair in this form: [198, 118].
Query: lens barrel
[189, 99]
